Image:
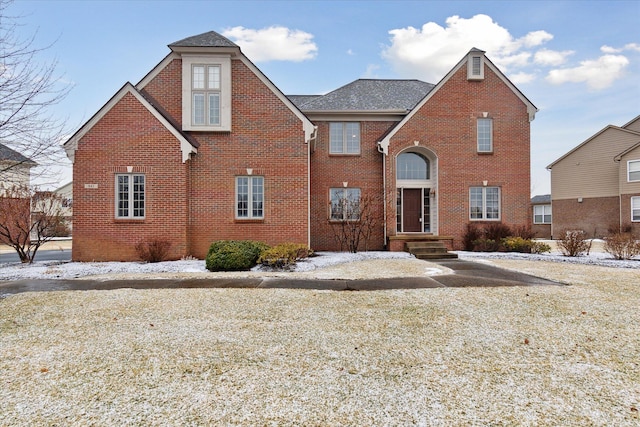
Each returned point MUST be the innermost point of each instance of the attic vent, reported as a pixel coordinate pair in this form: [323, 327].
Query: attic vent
[475, 69]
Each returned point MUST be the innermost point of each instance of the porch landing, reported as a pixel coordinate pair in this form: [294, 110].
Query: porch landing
[422, 246]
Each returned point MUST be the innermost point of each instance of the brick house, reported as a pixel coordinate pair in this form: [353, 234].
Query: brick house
[205, 147]
[541, 216]
[596, 186]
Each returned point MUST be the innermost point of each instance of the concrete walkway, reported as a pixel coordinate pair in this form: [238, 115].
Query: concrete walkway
[466, 274]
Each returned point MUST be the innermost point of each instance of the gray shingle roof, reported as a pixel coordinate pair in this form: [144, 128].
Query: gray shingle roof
[8, 154]
[367, 95]
[210, 39]
[544, 198]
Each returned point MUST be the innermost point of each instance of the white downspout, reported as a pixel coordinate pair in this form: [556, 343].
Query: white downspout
[384, 195]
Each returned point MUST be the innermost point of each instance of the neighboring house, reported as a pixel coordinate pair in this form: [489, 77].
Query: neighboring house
[15, 169]
[66, 200]
[205, 147]
[541, 216]
[596, 186]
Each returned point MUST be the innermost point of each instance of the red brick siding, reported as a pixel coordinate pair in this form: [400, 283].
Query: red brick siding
[625, 209]
[446, 124]
[166, 87]
[362, 171]
[593, 215]
[128, 135]
[268, 138]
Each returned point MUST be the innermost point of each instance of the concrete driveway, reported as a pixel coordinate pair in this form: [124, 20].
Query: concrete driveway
[466, 274]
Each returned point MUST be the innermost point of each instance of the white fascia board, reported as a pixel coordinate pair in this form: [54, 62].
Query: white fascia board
[156, 70]
[308, 127]
[71, 145]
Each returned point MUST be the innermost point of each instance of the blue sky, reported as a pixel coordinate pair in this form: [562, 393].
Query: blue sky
[577, 61]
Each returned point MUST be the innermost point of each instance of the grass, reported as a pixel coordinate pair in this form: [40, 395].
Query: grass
[473, 356]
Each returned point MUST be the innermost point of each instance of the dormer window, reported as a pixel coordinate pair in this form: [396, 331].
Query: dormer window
[475, 68]
[206, 93]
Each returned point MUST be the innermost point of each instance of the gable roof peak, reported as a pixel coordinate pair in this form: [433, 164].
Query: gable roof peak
[208, 39]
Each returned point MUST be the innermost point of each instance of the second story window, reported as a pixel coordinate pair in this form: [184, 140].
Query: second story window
[485, 136]
[344, 138]
[633, 170]
[205, 95]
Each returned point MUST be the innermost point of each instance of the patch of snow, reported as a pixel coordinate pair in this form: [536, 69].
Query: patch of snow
[75, 270]
[602, 259]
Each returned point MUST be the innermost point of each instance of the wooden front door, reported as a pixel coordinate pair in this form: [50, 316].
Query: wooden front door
[412, 210]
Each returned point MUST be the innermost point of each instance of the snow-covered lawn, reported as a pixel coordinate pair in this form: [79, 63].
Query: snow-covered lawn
[327, 265]
[541, 355]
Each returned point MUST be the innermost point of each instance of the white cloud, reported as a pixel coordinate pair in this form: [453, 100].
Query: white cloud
[597, 74]
[520, 78]
[628, 46]
[431, 51]
[350, 52]
[551, 57]
[371, 72]
[274, 43]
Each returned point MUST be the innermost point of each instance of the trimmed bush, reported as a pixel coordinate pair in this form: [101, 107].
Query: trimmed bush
[497, 231]
[471, 235]
[516, 244]
[574, 243]
[153, 250]
[284, 255]
[234, 255]
[622, 245]
[539, 247]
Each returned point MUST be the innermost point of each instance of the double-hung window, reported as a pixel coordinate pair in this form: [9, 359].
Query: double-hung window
[130, 196]
[542, 214]
[633, 168]
[345, 204]
[484, 203]
[205, 82]
[635, 209]
[485, 135]
[344, 138]
[250, 197]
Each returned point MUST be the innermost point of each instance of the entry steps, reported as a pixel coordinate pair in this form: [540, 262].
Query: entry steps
[429, 249]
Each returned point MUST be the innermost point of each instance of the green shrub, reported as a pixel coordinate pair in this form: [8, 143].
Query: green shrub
[234, 255]
[539, 247]
[284, 255]
[516, 244]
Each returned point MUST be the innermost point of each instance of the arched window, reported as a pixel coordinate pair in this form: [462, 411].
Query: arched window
[412, 166]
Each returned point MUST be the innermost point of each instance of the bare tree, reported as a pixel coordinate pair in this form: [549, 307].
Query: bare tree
[28, 91]
[354, 218]
[28, 219]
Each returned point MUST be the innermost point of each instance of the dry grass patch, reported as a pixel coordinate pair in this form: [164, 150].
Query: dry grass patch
[503, 356]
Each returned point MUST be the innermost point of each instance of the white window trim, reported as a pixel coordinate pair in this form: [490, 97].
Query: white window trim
[131, 208]
[484, 120]
[344, 140]
[629, 170]
[470, 73]
[544, 213]
[224, 62]
[344, 190]
[250, 215]
[484, 205]
[637, 199]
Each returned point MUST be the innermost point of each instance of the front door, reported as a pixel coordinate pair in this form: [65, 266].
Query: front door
[412, 210]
